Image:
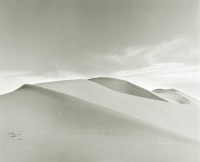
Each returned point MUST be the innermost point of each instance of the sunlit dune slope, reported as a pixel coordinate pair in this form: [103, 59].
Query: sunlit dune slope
[183, 120]
[125, 87]
[37, 124]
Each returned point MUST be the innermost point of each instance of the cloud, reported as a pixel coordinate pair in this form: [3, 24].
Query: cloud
[130, 58]
[127, 53]
[162, 69]
[177, 50]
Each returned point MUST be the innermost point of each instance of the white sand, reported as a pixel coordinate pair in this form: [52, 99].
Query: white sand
[157, 112]
[94, 124]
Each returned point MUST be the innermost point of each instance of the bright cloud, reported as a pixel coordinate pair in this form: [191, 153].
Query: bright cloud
[178, 50]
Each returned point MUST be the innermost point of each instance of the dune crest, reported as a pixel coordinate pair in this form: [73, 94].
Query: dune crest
[125, 87]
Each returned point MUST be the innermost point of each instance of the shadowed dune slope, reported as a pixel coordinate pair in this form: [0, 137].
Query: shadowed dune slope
[125, 87]
[37, 124]
[175, 117]
[176, 96]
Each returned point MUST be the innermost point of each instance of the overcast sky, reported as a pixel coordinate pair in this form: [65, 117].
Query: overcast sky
[154, 43]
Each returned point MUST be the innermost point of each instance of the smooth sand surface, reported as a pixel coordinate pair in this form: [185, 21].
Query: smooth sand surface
[54, 122]
[157, 112]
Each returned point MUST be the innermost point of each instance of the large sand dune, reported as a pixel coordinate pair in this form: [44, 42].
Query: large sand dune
[82, 121]
[152, 111]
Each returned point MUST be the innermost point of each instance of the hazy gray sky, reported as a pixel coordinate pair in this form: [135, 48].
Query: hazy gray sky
[85, 38]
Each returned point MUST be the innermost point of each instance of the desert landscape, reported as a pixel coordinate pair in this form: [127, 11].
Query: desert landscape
[98, 120]
[99, 81]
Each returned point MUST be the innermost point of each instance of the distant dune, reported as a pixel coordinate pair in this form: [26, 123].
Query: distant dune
[172, 95]
[175, 96]
[83, 121]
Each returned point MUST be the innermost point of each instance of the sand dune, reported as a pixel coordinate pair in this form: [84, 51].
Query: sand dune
[175, 96]
[80, 121]
[125, 87]
[152, 111]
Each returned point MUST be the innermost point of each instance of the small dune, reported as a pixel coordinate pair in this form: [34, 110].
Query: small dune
[172, 95]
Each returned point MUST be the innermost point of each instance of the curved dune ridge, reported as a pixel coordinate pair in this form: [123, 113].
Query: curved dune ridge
[79, 120]
[125, 87]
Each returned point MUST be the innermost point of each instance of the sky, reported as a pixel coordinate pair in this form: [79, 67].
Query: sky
[151, 43]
